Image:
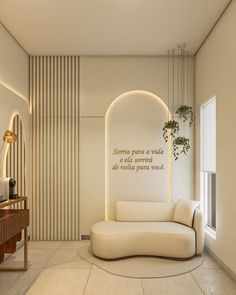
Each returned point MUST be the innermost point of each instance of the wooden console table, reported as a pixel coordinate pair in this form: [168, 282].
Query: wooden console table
[8, 203]
[12, 222]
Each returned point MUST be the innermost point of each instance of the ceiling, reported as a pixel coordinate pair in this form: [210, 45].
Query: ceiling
[109, 27]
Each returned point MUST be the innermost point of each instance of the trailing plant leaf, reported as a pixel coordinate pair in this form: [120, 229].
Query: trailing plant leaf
[186, 113]
[180, 146]
[170, 129]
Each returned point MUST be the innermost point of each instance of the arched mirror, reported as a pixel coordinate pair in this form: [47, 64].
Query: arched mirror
[16, 158]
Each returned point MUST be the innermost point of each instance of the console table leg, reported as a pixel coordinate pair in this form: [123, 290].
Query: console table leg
[26, 265]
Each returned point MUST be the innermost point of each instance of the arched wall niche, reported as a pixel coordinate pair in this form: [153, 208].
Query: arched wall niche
[16, 157]
[137, 160]
[11, 106]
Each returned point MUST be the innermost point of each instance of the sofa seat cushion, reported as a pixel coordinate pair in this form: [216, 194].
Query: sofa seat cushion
[112, 239]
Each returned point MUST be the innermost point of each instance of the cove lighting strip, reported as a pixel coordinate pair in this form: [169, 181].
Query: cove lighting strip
[13, 91]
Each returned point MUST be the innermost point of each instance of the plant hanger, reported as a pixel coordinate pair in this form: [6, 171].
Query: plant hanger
[171, 127]
[175, 127]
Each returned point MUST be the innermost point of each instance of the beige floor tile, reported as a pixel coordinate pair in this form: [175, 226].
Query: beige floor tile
[74, 244]
[60, 282]
[209, 263]
[103, 283]
[37, 257]
[95, 267]
[16, 283]
[67, 258]
[214, 281]
[177, 285]
[44, 244]
[67, 273]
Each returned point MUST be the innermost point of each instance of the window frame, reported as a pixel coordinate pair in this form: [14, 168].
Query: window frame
[204, 174]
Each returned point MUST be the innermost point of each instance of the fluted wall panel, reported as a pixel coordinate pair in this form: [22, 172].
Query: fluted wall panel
[54, 105]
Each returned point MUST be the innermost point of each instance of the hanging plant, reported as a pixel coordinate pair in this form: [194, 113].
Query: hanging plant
[185, 112]
[180, 145]
[170, 129]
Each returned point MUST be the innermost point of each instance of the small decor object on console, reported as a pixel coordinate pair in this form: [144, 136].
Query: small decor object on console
[12, 184]
[7, 188]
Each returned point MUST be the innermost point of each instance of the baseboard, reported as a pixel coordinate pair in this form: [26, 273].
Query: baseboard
[229, 271]
[85, 237]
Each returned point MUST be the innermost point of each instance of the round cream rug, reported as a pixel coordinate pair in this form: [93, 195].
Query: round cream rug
[142, 266]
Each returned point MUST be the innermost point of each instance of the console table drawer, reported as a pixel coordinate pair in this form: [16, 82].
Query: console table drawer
[12, 222]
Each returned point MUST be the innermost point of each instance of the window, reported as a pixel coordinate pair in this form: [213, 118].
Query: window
[208, 162]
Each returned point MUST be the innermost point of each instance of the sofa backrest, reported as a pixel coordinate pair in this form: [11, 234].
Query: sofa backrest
[144, 211]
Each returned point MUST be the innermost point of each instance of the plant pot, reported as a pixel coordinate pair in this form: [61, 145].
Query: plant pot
[180, 145]
[172, 124]
[170, 129]
[185, 112]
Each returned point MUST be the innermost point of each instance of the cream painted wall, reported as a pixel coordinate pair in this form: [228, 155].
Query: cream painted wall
[14, 64]
[102, 80]
[92, 167]
[215, 75]
[14, 87]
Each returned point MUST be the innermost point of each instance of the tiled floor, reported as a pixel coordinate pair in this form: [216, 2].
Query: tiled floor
[56, 269]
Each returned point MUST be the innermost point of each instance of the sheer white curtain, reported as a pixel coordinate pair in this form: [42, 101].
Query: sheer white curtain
[208, 136]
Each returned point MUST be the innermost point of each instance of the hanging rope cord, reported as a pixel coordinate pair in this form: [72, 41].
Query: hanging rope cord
[178, 77]
[183, 84]
[168, 91]
[173, 83]
[184, 102]
[179, 80]
[187, 79]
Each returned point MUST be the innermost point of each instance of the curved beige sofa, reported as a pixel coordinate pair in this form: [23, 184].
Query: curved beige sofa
[150, 228]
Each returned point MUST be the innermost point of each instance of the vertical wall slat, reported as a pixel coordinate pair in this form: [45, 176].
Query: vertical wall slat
[41, 147]
[62, 179]
[59, 146]
[77, 143]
